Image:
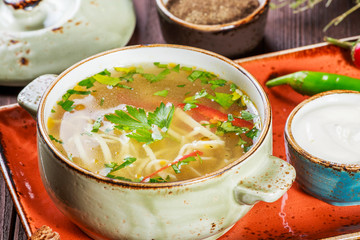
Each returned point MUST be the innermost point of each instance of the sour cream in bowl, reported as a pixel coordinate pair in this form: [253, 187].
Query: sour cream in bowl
[322, 139]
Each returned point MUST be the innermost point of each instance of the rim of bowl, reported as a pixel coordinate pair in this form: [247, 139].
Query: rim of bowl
[41, 125]
[291, 140]
[216, 27]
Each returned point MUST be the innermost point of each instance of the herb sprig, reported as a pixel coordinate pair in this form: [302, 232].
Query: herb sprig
[143, 125]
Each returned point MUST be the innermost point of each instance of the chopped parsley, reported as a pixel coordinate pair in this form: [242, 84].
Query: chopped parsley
[115, 166]
[177, 167]
[159, 179]
[217, 83]
[118, 177]
[141, 124]
[253, 133]
[108, 80]
[97, 124]
[247, 115]
[188, 69]
[162, 93]
[68, 105]
[159, 65]
[224, 99]
[189, 106]
[54, 139]
[102, 101]
[155, 78]
[176, 68]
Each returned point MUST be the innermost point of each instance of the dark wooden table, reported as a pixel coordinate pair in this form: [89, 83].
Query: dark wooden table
[284, 30]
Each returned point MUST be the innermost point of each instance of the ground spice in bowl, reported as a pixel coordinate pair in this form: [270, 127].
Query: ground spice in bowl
[211, 12]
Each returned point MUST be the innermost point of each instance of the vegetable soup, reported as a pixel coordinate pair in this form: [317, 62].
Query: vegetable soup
[154, 123]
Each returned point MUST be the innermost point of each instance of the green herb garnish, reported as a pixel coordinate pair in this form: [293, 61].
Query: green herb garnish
[217, 83]
[189, 106]
[118, 177]
[54, 139]
[254, 132]
[224, 99]
[162, 93]
[188, 69]
[141, 124]
[97, 124]
[159, 179]
[247, 115]
[155, 78]
[159, 65]
[102, 101]
[67, 104]
[123, 86]
[115, 166]
[176, 68]
[176, 167]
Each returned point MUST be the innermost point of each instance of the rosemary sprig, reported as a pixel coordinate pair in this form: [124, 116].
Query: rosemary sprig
[303, 5]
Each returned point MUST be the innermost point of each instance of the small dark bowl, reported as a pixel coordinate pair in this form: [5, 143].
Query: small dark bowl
[230, 39]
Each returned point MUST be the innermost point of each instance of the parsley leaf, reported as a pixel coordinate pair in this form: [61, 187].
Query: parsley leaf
[141, 124]
[217, 83]
[155, 78]
[176, 167]
[55, 140]
[224, 99]
[195, 75]
[67, 104]
[97, 125]
[162, 93]
[105, 79]
[129, 73]
[134, 119]
[188, 69]
[159, 65]
[88, 82]
[189, 106]
[159, 179]
[118, 177]
[123, 86]
[115, 166]
[176, 68]
[228, 127]
[247, 115]
[254, 132]
[102, 101]
[162, 116]
[233, 87]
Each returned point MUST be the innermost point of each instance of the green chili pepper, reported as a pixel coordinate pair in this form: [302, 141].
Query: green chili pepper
[310, 83]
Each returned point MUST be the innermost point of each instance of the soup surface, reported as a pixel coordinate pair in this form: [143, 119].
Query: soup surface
[154, 123]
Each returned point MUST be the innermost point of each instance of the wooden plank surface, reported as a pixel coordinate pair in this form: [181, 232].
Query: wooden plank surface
[284, 30]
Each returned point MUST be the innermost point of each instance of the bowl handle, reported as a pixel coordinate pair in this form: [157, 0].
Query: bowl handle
[267, 185]
[29, 97]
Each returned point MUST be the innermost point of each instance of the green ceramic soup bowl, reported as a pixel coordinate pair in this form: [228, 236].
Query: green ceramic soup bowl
[200, 208]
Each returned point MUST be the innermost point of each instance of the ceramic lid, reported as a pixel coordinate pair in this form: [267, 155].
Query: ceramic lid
[47, 36]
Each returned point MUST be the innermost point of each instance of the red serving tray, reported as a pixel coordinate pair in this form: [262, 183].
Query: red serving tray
[295, 216]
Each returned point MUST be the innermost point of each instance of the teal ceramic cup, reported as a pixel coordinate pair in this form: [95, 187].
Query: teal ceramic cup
[330, 172]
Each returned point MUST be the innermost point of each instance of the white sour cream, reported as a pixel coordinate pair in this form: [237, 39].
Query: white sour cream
[329, 128]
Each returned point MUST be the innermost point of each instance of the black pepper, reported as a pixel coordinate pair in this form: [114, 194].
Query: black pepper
[211, 12]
